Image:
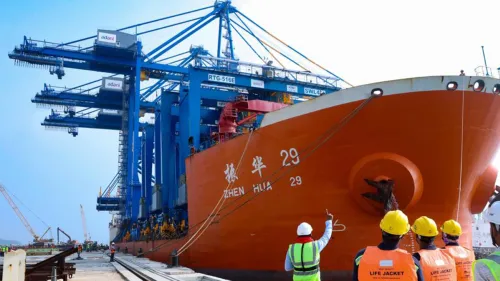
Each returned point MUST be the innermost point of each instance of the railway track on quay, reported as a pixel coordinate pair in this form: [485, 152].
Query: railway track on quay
[136, 272]
[138, 269]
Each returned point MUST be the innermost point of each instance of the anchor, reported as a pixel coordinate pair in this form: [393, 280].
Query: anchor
[383, 195]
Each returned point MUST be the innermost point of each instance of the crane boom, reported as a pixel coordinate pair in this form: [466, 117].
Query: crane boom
[60, 230]
[84, 223]
[18, 213]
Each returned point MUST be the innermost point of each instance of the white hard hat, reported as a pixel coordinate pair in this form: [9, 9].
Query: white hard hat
[304, 229]
[493, 214]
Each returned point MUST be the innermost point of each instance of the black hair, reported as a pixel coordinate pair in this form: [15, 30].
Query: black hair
[497, 228]
[387, 237]
[452, 237]
[427, 239]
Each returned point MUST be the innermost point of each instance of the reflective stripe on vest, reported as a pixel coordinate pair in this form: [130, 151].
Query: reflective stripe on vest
[377, 264]
[304, 257]
[437, 265]
[463, 260]
[492, 262]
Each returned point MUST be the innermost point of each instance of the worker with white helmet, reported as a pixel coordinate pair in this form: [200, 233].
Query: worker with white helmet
[303, 256]
[488, 269]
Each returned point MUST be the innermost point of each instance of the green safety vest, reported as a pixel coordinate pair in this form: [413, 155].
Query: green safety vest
[305, 261]
[492, 262]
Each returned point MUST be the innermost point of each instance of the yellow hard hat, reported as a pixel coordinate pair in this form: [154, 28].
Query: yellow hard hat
[395, 223]
[425, 226]
[452, 228]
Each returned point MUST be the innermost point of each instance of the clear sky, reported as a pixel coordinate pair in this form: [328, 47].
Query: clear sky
[361, 41]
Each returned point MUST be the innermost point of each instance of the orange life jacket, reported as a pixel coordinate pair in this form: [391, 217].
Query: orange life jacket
[437, 265]
[376, 264]
[463, 259]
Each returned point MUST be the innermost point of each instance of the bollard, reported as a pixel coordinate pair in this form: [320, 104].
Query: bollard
[175, 258]
[14, 266]
[54, 273]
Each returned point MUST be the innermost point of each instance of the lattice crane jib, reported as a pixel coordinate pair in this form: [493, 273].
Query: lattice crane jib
[18, 213]
[84, 224]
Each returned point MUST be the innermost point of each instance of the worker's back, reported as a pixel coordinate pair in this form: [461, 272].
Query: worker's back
[463, 261]
[305, 261]
[385, 262]
[437, 265]
[378, 264]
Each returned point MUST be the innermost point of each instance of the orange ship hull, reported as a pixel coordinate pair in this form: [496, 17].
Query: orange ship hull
[435, 144]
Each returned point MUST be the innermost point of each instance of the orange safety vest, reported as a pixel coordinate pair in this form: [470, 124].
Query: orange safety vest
[112, 250]
[376, 264]
[437, 265]
[463, 259]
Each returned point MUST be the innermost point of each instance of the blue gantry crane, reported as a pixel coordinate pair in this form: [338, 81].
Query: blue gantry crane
[162, 124]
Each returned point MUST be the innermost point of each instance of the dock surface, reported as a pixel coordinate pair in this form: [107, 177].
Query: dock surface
[96, 266]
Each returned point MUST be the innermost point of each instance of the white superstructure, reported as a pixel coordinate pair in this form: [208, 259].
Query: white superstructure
[481, 236]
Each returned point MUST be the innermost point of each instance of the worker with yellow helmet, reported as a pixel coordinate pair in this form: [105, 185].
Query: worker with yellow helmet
[451, 231]
[436, 264]
[386, 261]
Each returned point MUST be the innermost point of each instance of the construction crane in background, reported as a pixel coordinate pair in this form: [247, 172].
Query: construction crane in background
[88, 244]
[36, 238]
[84, 223]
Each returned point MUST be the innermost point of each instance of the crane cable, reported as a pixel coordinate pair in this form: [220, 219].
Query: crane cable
[311, 61]
[19, 200]
[333, 130]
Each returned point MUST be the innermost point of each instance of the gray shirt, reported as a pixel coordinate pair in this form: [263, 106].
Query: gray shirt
[482, 272]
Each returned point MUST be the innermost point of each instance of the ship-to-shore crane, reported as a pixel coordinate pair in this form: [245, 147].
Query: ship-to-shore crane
[36, 238]
[187, 90]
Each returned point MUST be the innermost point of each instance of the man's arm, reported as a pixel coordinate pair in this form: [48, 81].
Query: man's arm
[288, 263]
[481, 271]
[323, 241]
[420, 273]
[356, 265]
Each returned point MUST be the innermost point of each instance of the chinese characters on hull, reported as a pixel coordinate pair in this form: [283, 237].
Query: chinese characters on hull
[290, 157]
